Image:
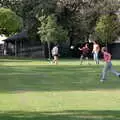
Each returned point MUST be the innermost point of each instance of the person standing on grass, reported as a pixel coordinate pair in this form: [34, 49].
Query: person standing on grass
[108, 65]
[85, 51]
[96, 49]
[55, 54]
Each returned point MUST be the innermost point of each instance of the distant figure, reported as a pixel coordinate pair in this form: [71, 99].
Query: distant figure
[96, 49]
[85, 51]
[4, 52]
[55, 54]
[108, 65]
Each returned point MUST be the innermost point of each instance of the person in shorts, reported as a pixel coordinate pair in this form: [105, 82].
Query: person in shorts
[55, 54]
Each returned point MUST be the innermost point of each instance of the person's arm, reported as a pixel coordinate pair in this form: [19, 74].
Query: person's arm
[80, 48]
[93, 49]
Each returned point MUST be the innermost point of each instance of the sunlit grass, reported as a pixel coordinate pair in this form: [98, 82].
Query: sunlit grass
[36, 89]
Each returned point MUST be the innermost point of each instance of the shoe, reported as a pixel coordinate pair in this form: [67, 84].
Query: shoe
[101, 80]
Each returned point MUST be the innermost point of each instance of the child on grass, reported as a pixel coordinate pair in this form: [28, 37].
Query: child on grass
[108, 65]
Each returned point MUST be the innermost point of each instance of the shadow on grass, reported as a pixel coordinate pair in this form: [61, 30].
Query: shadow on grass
[20, 59]
[54, 78]
[14, 60]
[62, 115]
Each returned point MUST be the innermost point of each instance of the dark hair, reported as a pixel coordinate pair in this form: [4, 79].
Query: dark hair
[104, 49]
[95, 41]
[56, 44]
[86, 44]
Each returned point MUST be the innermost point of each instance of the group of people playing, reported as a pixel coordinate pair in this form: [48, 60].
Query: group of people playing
[96, 49]
[85, 52]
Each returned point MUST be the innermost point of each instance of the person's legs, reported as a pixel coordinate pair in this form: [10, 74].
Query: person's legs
[86, 58]
[96, 58]
[81, 59]
[56, 59]
[104, 72]
[114, 71]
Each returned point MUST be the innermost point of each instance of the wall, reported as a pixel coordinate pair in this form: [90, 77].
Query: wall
[115, 50]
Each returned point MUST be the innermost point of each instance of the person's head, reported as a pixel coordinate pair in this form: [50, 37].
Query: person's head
[94, 42]
[104, 49]
[56, 44]
[86, 45]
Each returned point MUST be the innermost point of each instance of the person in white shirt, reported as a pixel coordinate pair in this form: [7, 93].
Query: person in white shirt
[96, 49]
[55, 54]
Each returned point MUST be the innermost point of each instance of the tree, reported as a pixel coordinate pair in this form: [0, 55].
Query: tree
[77, 16]
[10, 23]
[49, 31]
[80, 16]
[107, 28]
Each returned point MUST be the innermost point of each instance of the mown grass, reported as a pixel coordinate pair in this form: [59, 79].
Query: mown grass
[38, 90]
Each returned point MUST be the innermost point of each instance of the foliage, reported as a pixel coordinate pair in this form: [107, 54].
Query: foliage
[77, 16]
[36, 90]
[107, 28]
[9, 22]
[80, 16]
[50, 31]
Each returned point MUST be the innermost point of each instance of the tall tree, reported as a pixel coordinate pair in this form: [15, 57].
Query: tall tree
[10, 23]
[80, 16]
[107, 28]
[49, 31]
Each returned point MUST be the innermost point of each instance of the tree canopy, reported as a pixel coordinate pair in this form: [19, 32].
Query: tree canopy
[79, 17]
[50, 31]
[9, 22]
[107, 28]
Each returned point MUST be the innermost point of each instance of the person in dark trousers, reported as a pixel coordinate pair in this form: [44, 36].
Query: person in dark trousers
[85, 51]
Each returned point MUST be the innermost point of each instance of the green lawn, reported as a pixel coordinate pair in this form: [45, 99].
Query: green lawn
[38, 90]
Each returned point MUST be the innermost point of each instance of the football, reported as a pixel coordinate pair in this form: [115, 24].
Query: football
[72, 47]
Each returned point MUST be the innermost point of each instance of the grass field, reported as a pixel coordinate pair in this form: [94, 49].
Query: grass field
[37, 90]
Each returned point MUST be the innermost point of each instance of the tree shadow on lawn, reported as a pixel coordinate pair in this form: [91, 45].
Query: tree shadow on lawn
[21, 60]
[54, 78]
[62, 115]
[16, 60]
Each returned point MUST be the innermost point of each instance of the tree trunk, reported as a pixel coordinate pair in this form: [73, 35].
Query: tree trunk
[21, 48]
[15, 48]
[106, 41]
[106, 44]
[49, 52]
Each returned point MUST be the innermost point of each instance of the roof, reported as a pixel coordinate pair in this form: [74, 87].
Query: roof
[18, 36]
[2, 37]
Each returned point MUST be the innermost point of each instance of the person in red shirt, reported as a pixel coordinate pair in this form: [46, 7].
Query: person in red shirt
[85, 51]
[108, 64]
